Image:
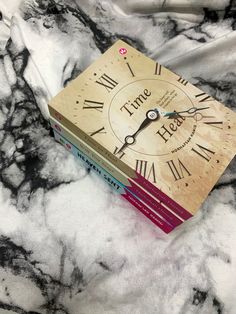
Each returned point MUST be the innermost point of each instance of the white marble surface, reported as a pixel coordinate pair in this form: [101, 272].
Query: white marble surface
[68, 244]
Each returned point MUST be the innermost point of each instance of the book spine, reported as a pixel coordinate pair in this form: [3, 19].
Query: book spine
[162, 197]
[115, 184]
[159, 208]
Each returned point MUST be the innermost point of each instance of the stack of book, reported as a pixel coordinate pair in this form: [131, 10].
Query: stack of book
[156, 139]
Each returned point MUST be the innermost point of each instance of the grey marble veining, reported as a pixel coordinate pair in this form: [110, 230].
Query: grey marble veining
[68, 243]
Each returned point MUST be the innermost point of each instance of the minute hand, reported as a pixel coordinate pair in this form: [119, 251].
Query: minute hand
[189, 111]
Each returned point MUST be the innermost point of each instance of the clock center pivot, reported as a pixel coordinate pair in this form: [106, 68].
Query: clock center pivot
[153, 114]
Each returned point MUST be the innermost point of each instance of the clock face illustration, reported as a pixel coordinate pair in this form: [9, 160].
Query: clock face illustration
[153, 121]
[156, 138]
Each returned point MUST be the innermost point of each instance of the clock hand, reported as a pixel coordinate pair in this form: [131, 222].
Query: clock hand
[151, 115]
[189, 111]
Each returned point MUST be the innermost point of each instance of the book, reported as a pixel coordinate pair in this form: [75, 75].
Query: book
[161, 137]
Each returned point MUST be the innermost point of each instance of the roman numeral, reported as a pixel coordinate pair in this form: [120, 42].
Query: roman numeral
[91, 104]
[146, 170]
[203, 97]
[215, 124]
[203, 152]
[107, 82]
[178, 169]
[117, 153]
[157, 69]
[131, 71]
[102, 131]
[182, 81]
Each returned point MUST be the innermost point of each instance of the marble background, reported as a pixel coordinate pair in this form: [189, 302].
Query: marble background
[68, 243]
